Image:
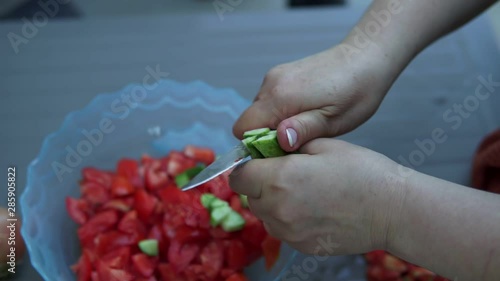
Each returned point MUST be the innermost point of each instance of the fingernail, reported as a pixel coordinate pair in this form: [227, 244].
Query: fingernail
[291, 135]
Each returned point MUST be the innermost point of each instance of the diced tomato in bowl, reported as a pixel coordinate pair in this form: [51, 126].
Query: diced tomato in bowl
[136, 224]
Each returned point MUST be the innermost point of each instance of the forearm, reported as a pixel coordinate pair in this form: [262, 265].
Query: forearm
[448, 228]
[397, 30]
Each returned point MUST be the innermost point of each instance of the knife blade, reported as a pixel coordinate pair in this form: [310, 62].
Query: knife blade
[224, 163]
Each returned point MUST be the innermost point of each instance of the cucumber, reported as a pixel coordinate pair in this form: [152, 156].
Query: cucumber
[206, 199]
[244, 200]
[254, 152]
[217, 203]
[219, 214]
[233, 222]
[183, 178]
[257, 132]
[149, 247]
[268, 145]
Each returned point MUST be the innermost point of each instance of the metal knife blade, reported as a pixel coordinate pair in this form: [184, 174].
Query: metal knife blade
[219, 166]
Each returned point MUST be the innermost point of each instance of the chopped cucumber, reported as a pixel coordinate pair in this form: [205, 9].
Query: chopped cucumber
[219, 214]
[183, 178]
[256, 132]
[149, 247]
[268, 145]
[233, 222]
[254, 152]
[244, 200]
[216, 202]
[206, 199]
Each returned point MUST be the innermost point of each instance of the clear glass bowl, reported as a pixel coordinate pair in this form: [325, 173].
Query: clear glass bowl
[165, 116]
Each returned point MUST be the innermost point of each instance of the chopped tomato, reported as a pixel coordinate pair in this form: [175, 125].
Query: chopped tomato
[117, 258]
[120, 204]
[121, 187]
[155, 177]
[185, 234]
[200, 154]
[97, 176]
[168, 273]
[235, 203]
[237, 277]
[112, 274]
[219, 188]
[77, 210]
[94, 276]
[143, 264]
[212, 259]
[226, 272]
[130, 223]
[177, 163]
[129, 169]
[181, 255]
[94, 192]
[110, 240]
[236, 255]
[173, 195]
[99, 223]
[271, 249]
[83, 267]
[144, 203]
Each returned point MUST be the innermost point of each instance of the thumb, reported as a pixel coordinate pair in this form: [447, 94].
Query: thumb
[301, 128]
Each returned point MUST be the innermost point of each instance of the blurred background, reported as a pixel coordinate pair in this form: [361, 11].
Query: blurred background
[95, 46]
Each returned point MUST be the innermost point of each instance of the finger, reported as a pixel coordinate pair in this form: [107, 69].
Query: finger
[259, 114]
[253, 177]
[301, 128]
[323, 145]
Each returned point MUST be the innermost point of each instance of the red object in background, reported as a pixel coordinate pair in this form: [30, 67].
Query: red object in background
[486, 168]
[141, 201]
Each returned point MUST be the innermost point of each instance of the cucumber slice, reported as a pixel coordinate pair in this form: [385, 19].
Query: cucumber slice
[256, 132]
[233, 222]
[254, 152]
[216, 202]
[268, 145]
[244, 200]
[206, 199]
[219, 214]
[183, 178]
[149, 247]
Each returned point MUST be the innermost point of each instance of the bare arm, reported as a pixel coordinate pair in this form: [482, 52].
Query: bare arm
[448, 228]
[407, 27]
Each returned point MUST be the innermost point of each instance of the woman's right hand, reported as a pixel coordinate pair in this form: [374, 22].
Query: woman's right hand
[324, 95]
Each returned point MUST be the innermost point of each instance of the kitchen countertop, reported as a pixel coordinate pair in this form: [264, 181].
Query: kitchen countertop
[67, 63]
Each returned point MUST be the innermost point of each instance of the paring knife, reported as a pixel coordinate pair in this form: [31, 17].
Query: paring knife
[236, 156]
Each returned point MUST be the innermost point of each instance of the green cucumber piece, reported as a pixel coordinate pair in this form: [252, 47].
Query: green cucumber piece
[216, 203]
[244, 200]
[256, 132]
[268, 145]
[206, 199]
[233, 222]
[254, 152]
[149, 247]
[183, 178]
[218, 215]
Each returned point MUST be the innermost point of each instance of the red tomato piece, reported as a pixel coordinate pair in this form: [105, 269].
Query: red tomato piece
[130, 223]
[177, 163]
[237, 277]
[226, 272]
[112, 274]
[121, 187]
[118, 258]
[236, 255]
[119, 204]
[111, 240]
[185, 234]
[220, 188]
[254, 233]
[129, 169]
[155, 177]
[392, 263]
[94, 175]
[97, 224]
[151, 278]
[173, 195]
[180, 256]
[83, 268]
[94, 192]
[168, 273]
[271, 249]
[200, 154]
[212, 259]
[375, 257]
[144, 264]
[94, 276]
[194, 272]
[77, 210]
[144, 203]
[235, 203]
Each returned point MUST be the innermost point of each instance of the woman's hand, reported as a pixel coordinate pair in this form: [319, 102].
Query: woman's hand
[323, 95]
[334, 191]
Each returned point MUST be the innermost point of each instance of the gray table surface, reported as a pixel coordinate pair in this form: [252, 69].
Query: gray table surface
[68, 62]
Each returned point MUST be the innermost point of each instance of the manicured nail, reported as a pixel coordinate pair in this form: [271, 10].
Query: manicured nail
[291, 135]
